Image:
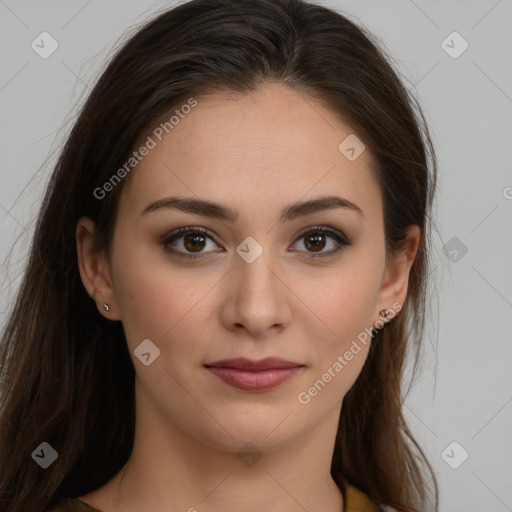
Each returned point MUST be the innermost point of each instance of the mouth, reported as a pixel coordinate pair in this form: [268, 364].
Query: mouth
[251, 375]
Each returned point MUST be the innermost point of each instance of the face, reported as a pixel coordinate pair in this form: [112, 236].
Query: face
[274, 281]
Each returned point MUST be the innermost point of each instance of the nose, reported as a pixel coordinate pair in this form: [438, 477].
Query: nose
[256, 297]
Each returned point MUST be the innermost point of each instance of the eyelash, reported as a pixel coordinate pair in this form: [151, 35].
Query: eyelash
[339, 238]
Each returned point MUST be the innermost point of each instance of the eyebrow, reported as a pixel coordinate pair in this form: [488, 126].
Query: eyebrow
[218, 211]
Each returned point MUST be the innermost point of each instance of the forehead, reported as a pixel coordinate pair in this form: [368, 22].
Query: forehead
[275, 145]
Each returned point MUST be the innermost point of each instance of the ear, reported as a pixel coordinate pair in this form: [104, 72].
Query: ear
[395, 280]
[94, 269]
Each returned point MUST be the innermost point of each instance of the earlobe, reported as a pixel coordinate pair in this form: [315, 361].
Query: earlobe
[94, 269]
[396, 275]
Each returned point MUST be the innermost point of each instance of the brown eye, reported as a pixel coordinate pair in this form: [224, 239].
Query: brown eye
[194, 242]
[317, 239]
[315, 242]
[189, 242]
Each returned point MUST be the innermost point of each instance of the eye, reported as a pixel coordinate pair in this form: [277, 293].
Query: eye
[189, 242]
[314, 241]
[190, 239]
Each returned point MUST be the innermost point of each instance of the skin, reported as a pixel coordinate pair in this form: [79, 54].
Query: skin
[255, 153]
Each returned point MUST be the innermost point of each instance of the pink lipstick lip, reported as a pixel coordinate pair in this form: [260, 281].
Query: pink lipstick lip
[242, 363]
[250, 375]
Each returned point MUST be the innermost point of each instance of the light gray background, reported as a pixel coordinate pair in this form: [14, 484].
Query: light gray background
[468, 101]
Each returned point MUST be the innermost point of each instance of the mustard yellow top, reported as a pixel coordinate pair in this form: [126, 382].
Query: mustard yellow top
[355, 501]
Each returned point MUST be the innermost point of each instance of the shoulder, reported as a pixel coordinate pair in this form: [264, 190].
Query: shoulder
[70, 505]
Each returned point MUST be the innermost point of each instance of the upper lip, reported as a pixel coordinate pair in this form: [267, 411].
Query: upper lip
[243, 363]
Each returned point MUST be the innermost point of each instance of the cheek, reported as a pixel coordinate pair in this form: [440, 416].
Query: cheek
[345, 303]
[346, 299]
[346, 307]
[160, 302]
[347, 311]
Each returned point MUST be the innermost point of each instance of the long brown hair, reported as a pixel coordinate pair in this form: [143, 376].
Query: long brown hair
[66, 375]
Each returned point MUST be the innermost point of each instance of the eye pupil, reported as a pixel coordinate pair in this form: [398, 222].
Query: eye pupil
[317, 240]
[193, 240]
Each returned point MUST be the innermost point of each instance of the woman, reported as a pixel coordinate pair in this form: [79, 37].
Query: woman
[229, 265]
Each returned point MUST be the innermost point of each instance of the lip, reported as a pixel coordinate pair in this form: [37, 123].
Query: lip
[251, 375]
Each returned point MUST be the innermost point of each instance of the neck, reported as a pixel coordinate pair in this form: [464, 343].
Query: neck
[169, 470]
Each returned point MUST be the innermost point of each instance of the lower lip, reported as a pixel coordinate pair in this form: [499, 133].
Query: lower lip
[260, 380]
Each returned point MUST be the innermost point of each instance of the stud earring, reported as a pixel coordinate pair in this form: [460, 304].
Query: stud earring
[384, 313]
[106, 307]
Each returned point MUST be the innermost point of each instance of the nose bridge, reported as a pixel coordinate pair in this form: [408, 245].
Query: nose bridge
[257, 297]
[254, 265]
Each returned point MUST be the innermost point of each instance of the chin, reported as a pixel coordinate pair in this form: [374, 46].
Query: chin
[240, 429]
